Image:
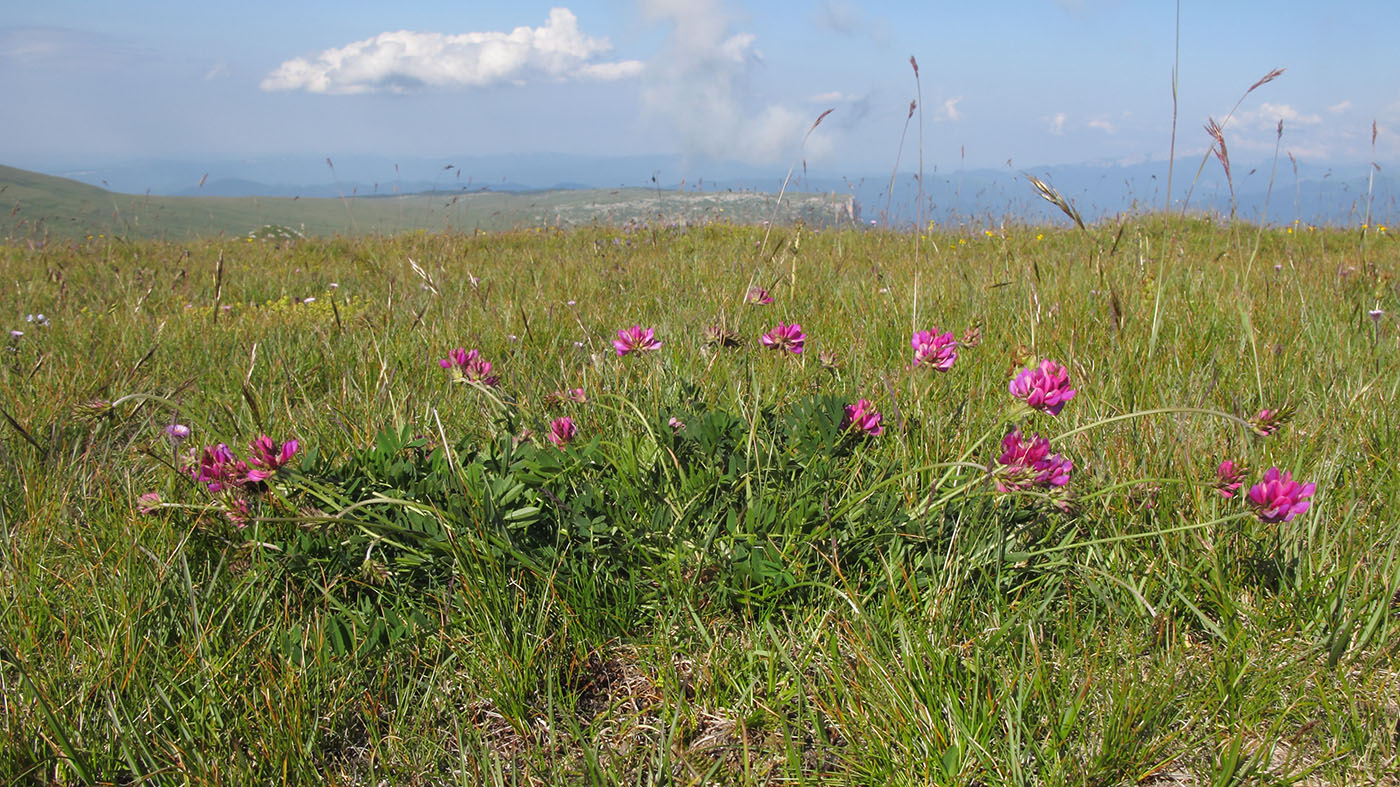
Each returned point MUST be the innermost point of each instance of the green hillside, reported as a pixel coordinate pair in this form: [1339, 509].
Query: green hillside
[41, 206]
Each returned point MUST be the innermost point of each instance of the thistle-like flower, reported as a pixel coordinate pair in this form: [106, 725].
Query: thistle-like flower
[1278, 498]
[635, 339]
[758, 296]
[784, 337]
[934, 349]
[470, 366]
[1044, 387]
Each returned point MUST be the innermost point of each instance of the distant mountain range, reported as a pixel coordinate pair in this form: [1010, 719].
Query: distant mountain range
[1319, 195]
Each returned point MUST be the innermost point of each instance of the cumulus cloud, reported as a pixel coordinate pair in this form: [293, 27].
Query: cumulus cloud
[1339, 107]
[1102, 125]
[702, 84]
[1057, 124]
[950, 108]
[405, 60]
[1268, 115]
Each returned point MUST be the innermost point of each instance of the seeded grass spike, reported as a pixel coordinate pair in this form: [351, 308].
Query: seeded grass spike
[1049, 194]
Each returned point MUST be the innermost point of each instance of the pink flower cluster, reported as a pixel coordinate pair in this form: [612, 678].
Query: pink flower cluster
[562, 431]
[1229, 477]
[219, 470]
[784, 337]
[934, 349]
[1028, 464]
[863, 418]
[1278, 498]
[758, 296]
[1044, 387]
[635, 339]
[470, 366]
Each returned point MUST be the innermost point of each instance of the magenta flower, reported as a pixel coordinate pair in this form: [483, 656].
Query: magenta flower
[1266, 421]
[861, 417]
[938, 350]
[214, 468]
[759, 296]
[1044, 387]
[1278, 498]
[1026, 464]
[562, 431]
[1229, 477]
[269, 455]
[470, 366]
[785, 337]
[634, 339]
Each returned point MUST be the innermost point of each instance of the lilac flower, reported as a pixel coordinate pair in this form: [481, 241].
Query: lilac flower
[676, 424]
[938, 350]
[1027, 464]
[177, 433]
[562, 431]
[862, 417]
[634, 339]
[1229, 477]
[1278, 498]
[1044, 387]
[785, 337]
[759, 296]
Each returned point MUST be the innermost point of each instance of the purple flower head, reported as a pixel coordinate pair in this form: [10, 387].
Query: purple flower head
[676, 424]
[1044, 387]
[863, 418]
[1028, 464]
[1229, 477]
[759, 296]
[268, 455]
[785, 337]
[635, 339]
[214, 467]
[177, 433]
[470, 366]
[1278, 498]
[1267, 421]
[562, 431]
[934, 349]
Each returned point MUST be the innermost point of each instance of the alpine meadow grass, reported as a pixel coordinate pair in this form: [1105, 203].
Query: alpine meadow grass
[704, 505]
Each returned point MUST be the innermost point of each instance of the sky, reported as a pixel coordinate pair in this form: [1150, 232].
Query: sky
[1031, 82]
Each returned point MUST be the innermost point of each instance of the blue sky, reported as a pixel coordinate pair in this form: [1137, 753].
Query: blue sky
[1031, 81]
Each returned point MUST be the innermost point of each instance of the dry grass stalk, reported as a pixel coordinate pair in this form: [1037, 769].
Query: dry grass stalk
[1052, 196]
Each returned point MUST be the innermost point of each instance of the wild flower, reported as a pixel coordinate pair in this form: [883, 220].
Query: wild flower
[635, 339]
[784, 337]
[1044, 387]
[562, 431]
[176, 433]
[15, 334]
[470, 366]
[972, 336]
[1268, 421]
[148, 503]
[1028, 464]
[1229, 477]
[828, 360]
[1278, 498]
[933, 349]
[269, 455]
[676, 424]
[719, 336]
[863, 418]
[758, 296]
[37, 319]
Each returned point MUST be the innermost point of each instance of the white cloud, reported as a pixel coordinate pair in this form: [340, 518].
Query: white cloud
[1267, 116]
[702, 84]
[1057, 124]
[404, 60]
[950, 108]
[831, 97]
[216, 71]
[1103, 125]
[1339, 107]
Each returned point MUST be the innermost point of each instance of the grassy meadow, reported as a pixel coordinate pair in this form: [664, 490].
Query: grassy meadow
[717, 580]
